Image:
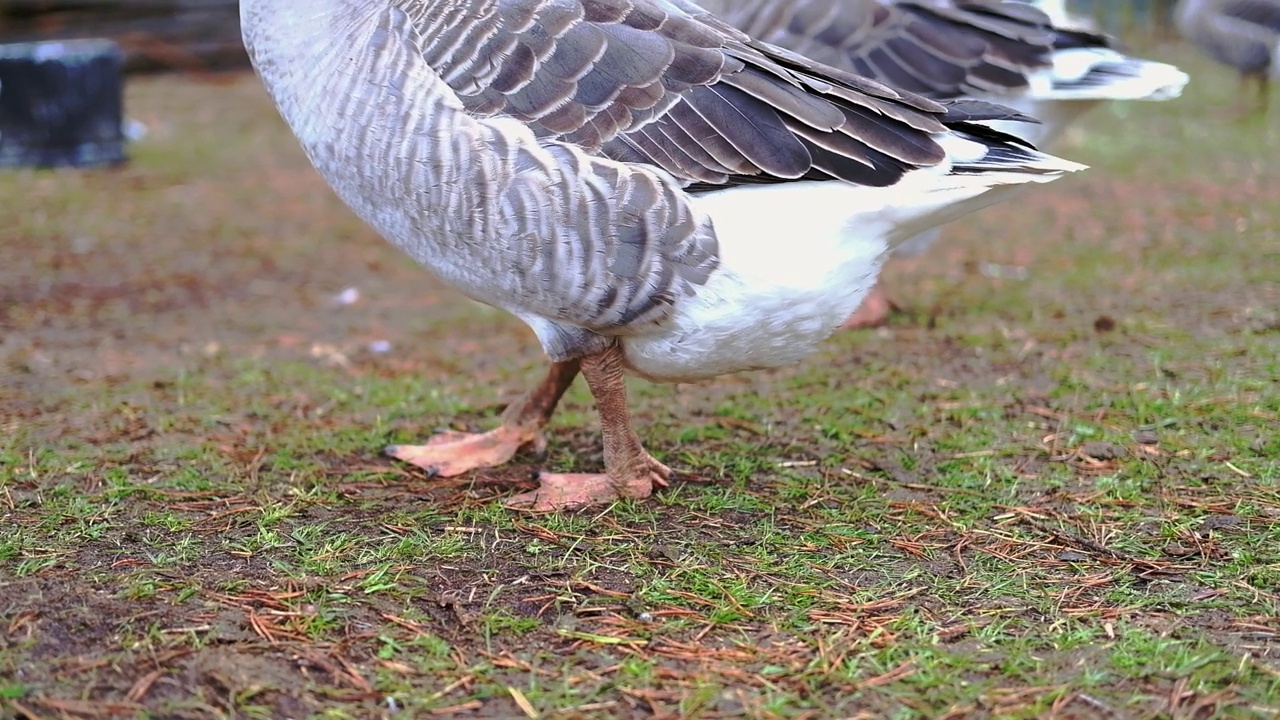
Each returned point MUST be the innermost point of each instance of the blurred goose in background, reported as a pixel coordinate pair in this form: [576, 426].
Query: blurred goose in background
[1244, 34]
[1059, 17]
[649, 189]
[1004, 51]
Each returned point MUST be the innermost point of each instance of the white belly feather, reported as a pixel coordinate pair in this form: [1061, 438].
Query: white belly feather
[795, 260]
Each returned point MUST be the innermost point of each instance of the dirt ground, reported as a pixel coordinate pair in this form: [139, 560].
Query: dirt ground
[1048, 488]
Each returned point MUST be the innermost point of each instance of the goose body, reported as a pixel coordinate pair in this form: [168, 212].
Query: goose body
[646, 187]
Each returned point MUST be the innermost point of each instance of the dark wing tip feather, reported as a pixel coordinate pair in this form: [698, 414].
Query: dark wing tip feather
[972, 110]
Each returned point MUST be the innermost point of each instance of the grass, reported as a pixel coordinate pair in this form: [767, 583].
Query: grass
[1056, 496]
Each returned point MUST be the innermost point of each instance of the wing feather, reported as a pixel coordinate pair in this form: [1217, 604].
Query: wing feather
[941, 50]
[666, 83]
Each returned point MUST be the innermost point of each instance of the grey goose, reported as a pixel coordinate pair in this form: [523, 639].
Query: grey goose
[649, 189]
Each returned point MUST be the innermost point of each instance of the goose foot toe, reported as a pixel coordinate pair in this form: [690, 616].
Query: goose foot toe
[873, 312]
[454, 453]
[571, 491]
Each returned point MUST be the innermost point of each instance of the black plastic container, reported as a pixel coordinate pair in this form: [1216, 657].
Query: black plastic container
[61, 104]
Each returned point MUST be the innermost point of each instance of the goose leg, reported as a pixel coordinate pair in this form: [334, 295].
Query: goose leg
[629, 470]
[873, 312]
[454, 453]
[1252, 101]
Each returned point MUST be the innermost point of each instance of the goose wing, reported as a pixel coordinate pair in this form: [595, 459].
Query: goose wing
[667, 84]
[940, 50]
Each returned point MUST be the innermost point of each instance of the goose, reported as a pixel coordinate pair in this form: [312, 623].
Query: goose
[1244, 34]
[650, 190]
[1003, 51]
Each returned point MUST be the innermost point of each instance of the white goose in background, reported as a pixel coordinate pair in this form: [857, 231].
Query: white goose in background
[1004, 51]
[649, 189]
[1244, 34]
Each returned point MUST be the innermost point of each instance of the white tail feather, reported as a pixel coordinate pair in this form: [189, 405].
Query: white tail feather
[1103, 74]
